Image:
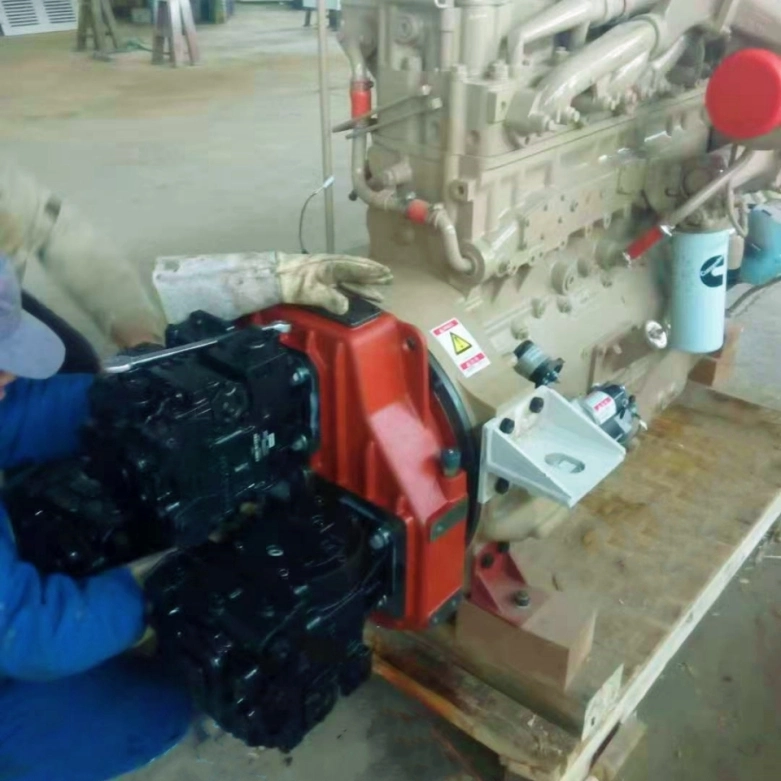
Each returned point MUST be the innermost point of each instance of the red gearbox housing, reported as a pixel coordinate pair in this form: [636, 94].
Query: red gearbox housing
[383, 436]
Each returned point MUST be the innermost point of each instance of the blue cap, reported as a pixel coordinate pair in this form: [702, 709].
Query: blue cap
[28, 348]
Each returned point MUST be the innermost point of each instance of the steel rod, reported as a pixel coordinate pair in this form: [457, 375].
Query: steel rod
[325, 122]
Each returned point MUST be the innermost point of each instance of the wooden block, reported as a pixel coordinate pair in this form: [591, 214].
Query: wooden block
[717, 368]
[553, 639]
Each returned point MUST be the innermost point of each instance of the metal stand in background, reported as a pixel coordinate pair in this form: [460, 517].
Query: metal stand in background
[325, 121]
[96, 18]
[174, 27]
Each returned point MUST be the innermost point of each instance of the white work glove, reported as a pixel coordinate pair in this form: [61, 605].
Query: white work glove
[231, 286]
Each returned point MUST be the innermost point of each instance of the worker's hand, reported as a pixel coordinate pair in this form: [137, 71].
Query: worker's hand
[11, 234]
[319, 280]
[231, 286]
[131, 335]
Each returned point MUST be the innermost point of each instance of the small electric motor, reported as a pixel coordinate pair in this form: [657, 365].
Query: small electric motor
[614, 410]
[534, 365]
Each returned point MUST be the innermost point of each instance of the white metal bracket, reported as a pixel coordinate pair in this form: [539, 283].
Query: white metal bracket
[556, 452]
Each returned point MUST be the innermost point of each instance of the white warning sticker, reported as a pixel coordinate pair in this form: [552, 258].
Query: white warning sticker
[461, 346]
[602, 406]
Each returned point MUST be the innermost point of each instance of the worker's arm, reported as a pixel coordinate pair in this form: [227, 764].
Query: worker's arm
[53, 626]
[231, 286]
[99, 277]
[40, 419]
[35, 223]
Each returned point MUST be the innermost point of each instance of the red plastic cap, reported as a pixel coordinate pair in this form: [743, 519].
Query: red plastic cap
[744, 94]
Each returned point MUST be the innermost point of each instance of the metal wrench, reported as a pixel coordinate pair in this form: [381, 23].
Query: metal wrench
[119, 364]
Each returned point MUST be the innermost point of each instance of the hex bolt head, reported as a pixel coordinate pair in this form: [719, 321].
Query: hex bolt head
[536, 405]
[502, 486]
[450, 460]
[521, 599]
[300, 444]
[299, 377]
[507, 426]
[378, 541]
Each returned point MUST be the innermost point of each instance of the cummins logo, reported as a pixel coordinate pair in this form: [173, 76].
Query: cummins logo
[712, 271]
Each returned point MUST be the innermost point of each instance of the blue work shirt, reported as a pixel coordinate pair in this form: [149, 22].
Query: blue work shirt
[52, 626]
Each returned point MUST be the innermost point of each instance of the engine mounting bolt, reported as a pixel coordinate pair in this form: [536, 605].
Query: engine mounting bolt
[536, 405]
[502, 486]
[450, 460]
[507, 426]
[521, 599]
[487, 560]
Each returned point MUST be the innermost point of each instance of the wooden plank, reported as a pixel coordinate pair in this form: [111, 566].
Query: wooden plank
[515, 733]
[647, 676]
[579, 708]
[618, 750]
[658, 542]
[651, 549]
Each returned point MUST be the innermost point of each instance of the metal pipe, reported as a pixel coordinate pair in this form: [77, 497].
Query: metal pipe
[665, 61]
[663, 229]
[387, 198]
[700, 198]
[418, 211]
[456, 134]
[447, 34]
[614, 49]
[434, 104]
[325, 123]
[570, 15]
[440, 220]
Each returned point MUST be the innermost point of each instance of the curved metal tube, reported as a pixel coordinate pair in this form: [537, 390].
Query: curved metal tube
[641, 72]
[387, 198]
[566, 15]
[570, 15]
[616, 48]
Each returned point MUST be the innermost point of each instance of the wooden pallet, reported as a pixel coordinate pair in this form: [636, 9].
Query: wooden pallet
[652, 549]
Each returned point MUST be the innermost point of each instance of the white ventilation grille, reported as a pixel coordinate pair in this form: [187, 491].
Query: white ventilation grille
[18, 17]
[60, 11]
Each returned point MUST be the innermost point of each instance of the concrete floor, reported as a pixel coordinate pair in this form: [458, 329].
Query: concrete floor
[221, 157]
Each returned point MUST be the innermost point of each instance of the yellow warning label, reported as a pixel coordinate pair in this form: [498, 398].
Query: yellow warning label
[460, 345]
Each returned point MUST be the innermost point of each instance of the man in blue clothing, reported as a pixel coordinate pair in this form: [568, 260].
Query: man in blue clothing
[50, 626]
